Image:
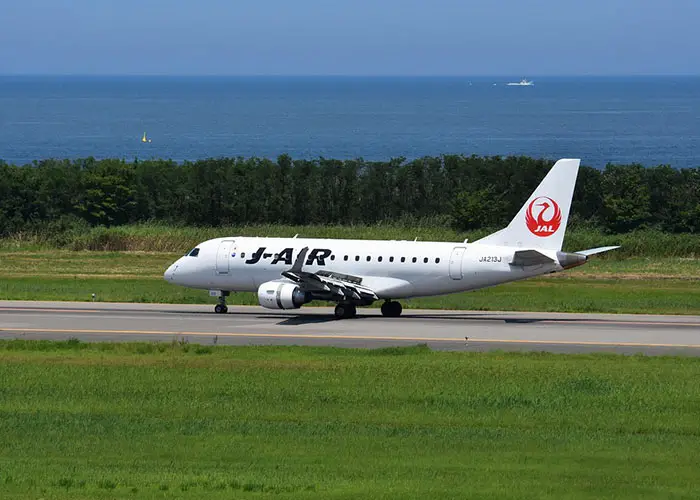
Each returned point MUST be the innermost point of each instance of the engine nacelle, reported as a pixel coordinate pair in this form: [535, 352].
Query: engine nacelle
[279, 295]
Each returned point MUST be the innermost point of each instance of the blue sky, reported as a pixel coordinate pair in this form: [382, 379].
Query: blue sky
[359, 37]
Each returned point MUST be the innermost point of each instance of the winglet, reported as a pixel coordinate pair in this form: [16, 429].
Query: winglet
[296, 268]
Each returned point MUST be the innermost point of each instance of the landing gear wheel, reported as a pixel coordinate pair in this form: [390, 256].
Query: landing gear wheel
[391, 309]
[344, 311]
[221, 308]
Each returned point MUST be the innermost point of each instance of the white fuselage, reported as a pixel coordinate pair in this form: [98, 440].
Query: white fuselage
[392, 269]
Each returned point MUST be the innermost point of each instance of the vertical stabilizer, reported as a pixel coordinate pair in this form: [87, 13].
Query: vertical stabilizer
[541, 222]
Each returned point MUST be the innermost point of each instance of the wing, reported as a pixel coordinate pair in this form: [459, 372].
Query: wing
[328, 284]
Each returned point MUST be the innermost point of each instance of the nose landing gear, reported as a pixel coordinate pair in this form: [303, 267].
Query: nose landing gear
[221, 307]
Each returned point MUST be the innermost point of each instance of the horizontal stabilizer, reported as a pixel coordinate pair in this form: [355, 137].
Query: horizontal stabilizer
[593, 251]
[530, 258]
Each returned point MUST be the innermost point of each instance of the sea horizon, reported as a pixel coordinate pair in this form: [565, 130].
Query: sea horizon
[646, 119]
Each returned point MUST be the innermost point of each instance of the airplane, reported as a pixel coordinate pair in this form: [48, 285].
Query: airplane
[287, 273]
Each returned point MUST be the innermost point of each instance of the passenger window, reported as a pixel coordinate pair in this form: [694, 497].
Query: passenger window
[391, 259]
[414, 260]
[332, 257]
[403, 259]
[425, 260]
[437, 260]
[357, 257]
[242, 255]
[369, 258]
[379, 259]
[345, 258]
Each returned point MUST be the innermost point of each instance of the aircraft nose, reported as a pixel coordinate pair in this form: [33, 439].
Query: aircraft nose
[169, 273]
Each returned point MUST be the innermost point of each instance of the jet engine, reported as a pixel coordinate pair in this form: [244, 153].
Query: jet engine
[280, 295]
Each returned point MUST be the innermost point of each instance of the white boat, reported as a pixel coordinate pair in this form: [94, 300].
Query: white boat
[522, 83]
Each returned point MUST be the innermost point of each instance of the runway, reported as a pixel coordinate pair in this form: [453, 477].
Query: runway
[441, 330]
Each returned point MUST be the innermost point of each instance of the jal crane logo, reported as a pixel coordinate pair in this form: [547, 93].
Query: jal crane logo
[547, 219]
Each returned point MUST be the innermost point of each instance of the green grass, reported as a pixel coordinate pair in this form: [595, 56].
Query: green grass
[635, 285]
[163, 238]
[131, 264]
[574, 295]
[652, 273]
[185, 421]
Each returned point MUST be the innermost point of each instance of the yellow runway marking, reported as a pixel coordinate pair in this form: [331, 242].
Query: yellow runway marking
[347, 337]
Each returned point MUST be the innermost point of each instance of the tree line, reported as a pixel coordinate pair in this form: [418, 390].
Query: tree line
[468, 192]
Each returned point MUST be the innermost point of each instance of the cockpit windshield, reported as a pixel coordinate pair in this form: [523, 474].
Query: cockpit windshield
[193, 253]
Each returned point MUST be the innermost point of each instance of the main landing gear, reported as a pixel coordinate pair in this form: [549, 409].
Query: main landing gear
[391, 309]
[221, 307]
[344, 311]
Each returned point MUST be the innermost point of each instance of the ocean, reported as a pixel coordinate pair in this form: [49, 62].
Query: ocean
[647, 120]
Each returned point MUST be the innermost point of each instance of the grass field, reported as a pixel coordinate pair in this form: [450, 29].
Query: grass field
[184, 421]
[175, 239]
[632, 285]
[652, 273]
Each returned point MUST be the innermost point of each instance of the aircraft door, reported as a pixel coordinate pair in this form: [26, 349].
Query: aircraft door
[456, 263]
[223, 255]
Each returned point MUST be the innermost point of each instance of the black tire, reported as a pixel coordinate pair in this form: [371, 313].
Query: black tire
[220, 309]
[386, 308]
[391, 309]
[345, 311]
